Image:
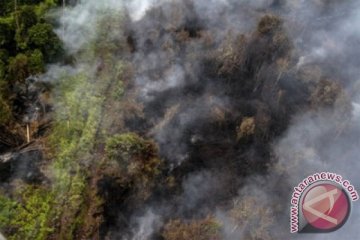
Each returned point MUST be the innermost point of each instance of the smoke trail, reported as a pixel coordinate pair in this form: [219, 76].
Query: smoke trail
[148, 225]
[181, 97]
[325, 140]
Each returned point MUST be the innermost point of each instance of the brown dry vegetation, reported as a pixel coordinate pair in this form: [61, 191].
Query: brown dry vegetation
[123, 169]
[202, 229]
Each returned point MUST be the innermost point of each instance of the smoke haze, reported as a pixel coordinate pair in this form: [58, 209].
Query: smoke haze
[195, 114]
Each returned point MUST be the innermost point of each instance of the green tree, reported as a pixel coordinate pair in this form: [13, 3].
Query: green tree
[31, 218]
[41, 36]
[6, 35]
[7, 210]
[5, 112]
[18, 68]
[36, 62]
[137, 159]
[4, 56]
[27, 17]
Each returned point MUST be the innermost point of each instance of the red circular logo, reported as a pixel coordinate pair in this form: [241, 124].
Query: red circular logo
[326, 207]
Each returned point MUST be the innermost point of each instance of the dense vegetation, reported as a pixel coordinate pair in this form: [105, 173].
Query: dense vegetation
[86, 154]
[27, 42]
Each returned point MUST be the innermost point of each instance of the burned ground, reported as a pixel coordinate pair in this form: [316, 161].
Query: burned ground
[171, 116]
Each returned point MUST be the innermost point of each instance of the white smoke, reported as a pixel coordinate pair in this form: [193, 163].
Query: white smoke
[147, 225]
[138, 8]
[310, 145]
[78, 22]
[301, 150]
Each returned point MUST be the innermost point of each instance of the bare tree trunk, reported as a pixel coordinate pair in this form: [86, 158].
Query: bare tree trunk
[28, 132]
[16, 15]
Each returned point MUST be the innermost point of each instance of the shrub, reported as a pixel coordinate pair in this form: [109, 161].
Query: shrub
[137, 159]
[255, 219]
[247, 128]
[231, 55]
[203, 229]
[32, 216]
[326, 94]
[19, 68]
[269, 24]
[7, 211]
[36, 62]
[5, 112]
[125, 147]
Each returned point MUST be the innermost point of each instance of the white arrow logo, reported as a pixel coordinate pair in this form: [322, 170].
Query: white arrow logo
[330, 195]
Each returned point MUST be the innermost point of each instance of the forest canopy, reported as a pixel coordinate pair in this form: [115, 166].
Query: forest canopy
[171, 120]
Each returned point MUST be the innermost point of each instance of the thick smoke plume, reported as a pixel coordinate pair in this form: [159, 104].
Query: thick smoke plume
[240, 112]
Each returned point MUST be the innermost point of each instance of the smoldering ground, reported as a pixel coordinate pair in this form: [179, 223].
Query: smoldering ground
[242, 106]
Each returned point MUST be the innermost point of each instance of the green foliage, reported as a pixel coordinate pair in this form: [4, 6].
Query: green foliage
[24, 18]
[79, 99]
[119, 86]
[43, 6]
[130, 150]
[36, 62]
[7, 211]
[73, 137]
[137, 160]
[6, 33]
[124, 147]
[18, 68]
[32, 214]
[21, 40]
[27, 17]
[119, 90]
[25, 46]
[78, 115]
[28, 218]
[5, 113]
[7, 7]
[109, 28]
[4, 56]
[42, 36]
